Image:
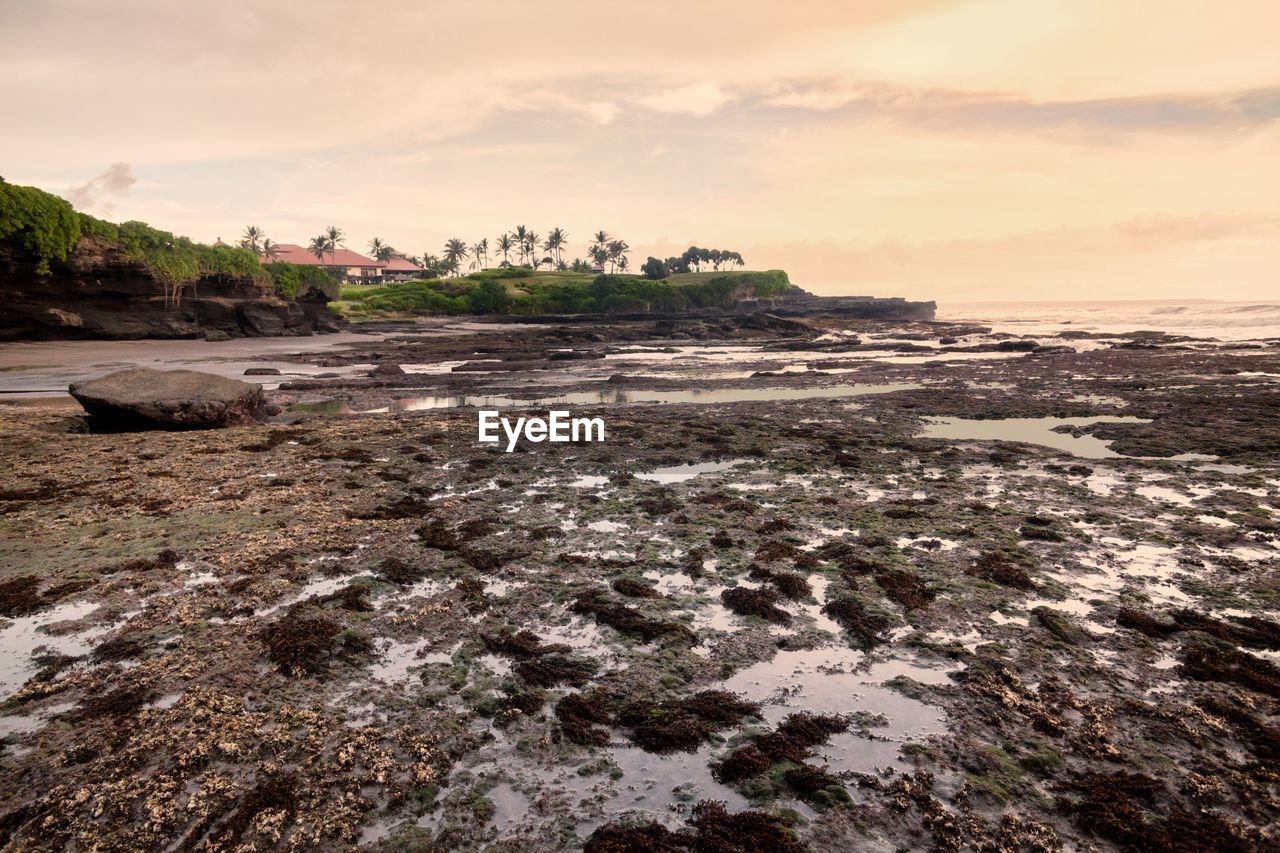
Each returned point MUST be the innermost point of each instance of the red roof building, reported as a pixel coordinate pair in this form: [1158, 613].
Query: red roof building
[400, 269]
[351, 266]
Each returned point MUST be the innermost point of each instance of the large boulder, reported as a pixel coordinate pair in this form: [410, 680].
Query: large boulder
[143, 398]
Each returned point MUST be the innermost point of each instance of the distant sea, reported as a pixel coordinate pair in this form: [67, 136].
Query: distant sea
[1233, 321]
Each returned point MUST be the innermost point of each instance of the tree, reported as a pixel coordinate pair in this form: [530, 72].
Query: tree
[318, 246]
[531, 248]
[654, 269]
[432, 266]
[505, 244]
[490, 297]
[455, 252]
[484, 251]
[622, 263]
[579, 265]
[555, 243]
[269, 249]
[477, 257]
[599, 255]
[335, 236]
[381, 251]
[522, 241]
[615, 251]
[252, 239]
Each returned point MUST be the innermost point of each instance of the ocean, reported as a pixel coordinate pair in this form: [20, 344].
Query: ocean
[1233, 321]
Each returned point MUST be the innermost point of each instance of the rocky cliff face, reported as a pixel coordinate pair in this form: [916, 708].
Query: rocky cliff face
[99, 293]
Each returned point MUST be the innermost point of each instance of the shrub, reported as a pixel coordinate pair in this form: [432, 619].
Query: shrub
[490, 297]
[46, 225]
[654, 269]
[306, 283]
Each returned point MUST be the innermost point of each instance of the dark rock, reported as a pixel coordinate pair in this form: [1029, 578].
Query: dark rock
[387, 368]
[262, 371]
[265, 318]
[216, 335]
[142, 398]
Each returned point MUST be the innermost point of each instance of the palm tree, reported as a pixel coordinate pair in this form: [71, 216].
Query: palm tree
[318, 246]
[622, 263]
[599, 254]
[269, 250]
[252, 239]
[484, 251]
[379, 250]
[477, 257]
[531, 247]
[505, 244]
[335, 237]
[455, 252]
[522, 240]
[615, 251]
[555, 242]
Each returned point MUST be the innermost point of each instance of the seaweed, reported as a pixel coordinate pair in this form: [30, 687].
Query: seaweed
[746, 601]
[629, 620]
[20, 596]
[120, 648]
[790, 741]
[579, 716]
[712, 829]
[999, 570]
[1205, 662]
[793, 585]
[300, 644]
[1116, 805]
[905, 588]
[550, 670]
[521, 644]
[683, 724]
[816, 785]
[634, 588]
[868, 628]
[121, 702]
[400, 572]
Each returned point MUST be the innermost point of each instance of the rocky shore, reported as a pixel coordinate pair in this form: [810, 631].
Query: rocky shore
[98, 293]
[829, 584]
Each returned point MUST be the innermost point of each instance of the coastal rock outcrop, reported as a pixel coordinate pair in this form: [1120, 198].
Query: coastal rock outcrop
[142, 398]
[100, 293]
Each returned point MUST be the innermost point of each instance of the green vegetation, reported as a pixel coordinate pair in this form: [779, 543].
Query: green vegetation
[45, 225]
[520, 290]
[48, 227]
[294, 281]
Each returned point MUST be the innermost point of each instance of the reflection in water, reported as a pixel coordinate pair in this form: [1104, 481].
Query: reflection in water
[1030, 431]
[680, 473]
[719, 395]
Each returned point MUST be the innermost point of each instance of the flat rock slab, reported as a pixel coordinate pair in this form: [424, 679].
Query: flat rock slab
[143, 398]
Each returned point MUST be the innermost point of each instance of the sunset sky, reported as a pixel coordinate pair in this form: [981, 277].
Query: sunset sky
[948, 149]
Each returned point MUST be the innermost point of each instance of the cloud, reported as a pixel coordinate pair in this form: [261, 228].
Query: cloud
[697, 99]
[98, 192]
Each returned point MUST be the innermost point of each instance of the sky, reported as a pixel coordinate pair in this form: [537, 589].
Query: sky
[941, 149]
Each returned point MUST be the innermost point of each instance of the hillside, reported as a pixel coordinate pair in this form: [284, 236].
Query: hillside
[521, 291]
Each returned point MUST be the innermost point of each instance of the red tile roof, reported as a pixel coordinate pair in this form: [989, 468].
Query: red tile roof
[295, 254]
[401, 265]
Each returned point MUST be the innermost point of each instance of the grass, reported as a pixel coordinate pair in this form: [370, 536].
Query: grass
[551, 292]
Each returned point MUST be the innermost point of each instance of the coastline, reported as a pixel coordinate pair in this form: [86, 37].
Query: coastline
[948, 549]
